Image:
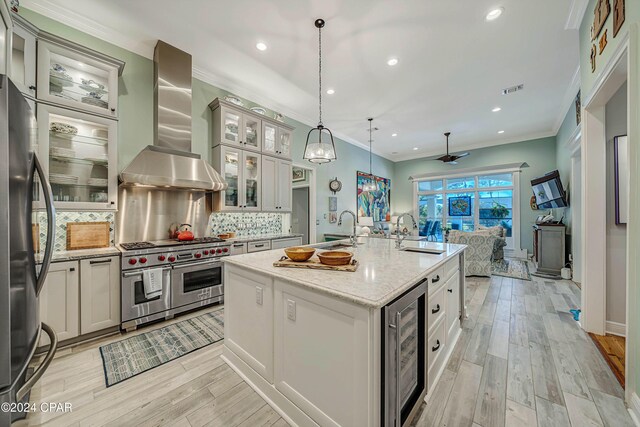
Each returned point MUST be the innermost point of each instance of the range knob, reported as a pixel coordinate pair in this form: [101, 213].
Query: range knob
[206, 252]
[218, 251]
[172, 258]
[161, 257]
[143, 260]
[198, 255]
[225, 250]
[133, 261]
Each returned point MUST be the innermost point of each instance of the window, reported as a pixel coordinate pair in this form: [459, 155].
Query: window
[467, 203]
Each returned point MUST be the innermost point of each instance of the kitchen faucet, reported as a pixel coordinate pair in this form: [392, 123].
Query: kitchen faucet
[353, 238]
[398, 233]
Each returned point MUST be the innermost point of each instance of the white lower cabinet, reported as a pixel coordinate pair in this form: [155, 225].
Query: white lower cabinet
[249, 327]
[59, 301]
[452, 290]
[320, 346]
[99, 294]
[286, 243]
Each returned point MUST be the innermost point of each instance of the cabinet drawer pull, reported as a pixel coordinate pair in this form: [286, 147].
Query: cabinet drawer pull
[435, 310]
[101, 261]
[436, 347]
[113, 110]
[72, 269]
[238, 245]
[435, 279]
[259, 246]
[32, 87]
[450, 291]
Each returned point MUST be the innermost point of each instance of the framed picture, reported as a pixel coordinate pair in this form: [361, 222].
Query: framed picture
[621, 178]
[333, 217]
[460, 206]
[376, 204]
[578, 102]
[298, 174]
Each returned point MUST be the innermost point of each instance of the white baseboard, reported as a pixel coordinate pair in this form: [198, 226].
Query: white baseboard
[634, 409]
[615, 328]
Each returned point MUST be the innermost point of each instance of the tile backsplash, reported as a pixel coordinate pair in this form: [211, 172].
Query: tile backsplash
[63, 217]
[249, 224]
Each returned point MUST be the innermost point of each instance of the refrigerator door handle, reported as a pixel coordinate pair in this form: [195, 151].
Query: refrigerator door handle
[51, 222]
[33, 379]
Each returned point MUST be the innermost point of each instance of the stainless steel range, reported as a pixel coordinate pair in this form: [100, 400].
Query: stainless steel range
[192, 277]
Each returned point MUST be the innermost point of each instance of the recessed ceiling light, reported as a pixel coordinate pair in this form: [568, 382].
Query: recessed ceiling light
[394, 134]
[330, 91]
[501, 131]
[261, 46]
[495, 110]
[415, 148]
[393, 61]
[494, 14]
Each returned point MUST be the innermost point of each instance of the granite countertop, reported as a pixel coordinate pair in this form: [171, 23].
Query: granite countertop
[243, 239]
[80, 254]
[384, 272]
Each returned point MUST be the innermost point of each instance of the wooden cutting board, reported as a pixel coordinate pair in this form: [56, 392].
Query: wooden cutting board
[314, 263]
[88, 235]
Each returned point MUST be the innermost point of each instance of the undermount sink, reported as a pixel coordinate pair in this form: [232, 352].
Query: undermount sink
[424, 247]
[423, 250]
[332, 246]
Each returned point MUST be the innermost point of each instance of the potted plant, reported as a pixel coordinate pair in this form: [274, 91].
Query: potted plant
[499, 211]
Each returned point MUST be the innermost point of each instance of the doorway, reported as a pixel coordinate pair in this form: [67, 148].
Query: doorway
[300, 213]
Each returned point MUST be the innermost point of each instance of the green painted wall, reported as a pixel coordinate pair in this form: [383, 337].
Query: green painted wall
[135, 129]
[588, 78]
[540, 154]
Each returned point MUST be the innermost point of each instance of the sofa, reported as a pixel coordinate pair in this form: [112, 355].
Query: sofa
[479, 254]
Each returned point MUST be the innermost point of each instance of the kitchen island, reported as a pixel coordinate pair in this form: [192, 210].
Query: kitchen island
[320, 346]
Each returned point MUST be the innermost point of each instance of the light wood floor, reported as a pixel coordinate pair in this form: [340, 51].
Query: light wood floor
[613, 349]
[198, 389]
[523, 361]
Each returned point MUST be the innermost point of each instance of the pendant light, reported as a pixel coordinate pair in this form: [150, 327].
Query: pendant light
[370, 185]
[318, 151]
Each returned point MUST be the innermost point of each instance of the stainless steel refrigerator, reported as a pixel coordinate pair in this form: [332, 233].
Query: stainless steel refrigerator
[22, 184]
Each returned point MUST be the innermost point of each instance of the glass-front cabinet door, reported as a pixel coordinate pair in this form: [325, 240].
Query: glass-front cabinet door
[269, 132]
[72, 79]
[231, 126]
[252, 131]
[231, 160]
[79, 155]
[284, 142]
[251, 179]
[23, 59]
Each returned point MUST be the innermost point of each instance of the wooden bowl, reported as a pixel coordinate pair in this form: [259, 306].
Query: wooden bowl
[335, 257]
[224, 236]
[231, 234]
[299, 254]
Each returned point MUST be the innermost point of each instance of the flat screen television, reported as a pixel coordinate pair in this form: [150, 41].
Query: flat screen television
[549, 192]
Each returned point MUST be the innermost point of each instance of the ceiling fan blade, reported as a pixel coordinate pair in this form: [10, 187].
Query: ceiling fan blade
[462, 155]
[452, 162]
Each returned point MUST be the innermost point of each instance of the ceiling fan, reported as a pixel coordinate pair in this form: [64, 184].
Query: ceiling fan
[451, 158]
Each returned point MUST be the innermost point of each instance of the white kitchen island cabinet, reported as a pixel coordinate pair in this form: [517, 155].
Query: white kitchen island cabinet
[312, 341]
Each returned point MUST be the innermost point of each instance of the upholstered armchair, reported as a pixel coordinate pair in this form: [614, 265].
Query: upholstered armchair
[479, 253]
[501, 241]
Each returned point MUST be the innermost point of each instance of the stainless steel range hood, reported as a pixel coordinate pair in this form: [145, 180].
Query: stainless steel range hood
[170, 162]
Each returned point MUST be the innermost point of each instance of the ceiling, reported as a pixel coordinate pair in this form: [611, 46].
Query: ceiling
[452, 63]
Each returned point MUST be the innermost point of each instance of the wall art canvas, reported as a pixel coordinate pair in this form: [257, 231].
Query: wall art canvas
[376, 204]
[578, 108]
[618, 16]
[621, 172]
[333, 204]
[460, 206]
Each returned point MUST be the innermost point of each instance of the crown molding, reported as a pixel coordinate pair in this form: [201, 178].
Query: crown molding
[576, 14]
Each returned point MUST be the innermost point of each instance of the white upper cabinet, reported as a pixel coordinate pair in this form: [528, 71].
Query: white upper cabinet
[76, 77]
[276, 184]
[79, 153]
[23, 56]
[242, 170]
[242, 128]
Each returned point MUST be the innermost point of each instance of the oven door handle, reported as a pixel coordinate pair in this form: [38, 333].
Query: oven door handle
[139, 273]
[195, 264]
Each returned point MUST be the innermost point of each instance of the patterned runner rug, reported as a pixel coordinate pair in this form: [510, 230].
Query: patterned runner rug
[514, 268]
[132, 356]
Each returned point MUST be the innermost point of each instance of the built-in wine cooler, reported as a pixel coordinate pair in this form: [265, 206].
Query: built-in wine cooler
[404, 375]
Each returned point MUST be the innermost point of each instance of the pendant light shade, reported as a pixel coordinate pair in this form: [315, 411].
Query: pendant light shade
[370, 185]
[317, 150]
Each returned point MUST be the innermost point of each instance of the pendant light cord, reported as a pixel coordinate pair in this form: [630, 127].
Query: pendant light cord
[370, 141]
[320, 73]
